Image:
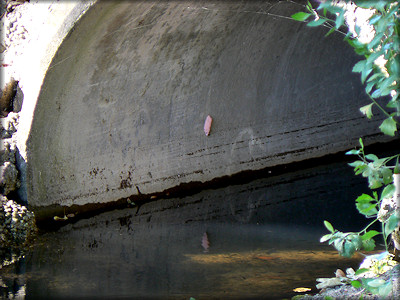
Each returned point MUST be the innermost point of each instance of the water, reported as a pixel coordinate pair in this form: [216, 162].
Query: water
[263, 242]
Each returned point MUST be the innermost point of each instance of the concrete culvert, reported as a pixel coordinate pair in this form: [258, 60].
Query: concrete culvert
[122, 107]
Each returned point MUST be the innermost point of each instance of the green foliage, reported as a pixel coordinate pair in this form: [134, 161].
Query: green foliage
[377, 286]
[380, 73]
[377, 170]
[380, 80]
[350, 242]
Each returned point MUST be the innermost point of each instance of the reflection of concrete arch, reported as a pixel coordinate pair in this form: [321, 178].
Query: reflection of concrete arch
[251, 205]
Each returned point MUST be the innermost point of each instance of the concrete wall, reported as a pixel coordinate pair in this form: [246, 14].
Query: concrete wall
[123, 103]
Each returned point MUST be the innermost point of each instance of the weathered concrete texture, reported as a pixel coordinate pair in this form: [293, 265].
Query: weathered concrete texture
[122, 108]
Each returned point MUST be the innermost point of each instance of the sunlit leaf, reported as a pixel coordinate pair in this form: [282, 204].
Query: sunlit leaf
[356, 163]
[375, 41]
[365, 198]
[300, 16]
[316, 23]
[386, 289]
[356, 284]
[391, 224]
[372, 157]
[329, 226]
[374, 183]
[351, 244]
[376, 93]
[361, 143]
[365, 72]
[362, 270]
[379, 163]
[333, 29]
[369, 234]
[339, 21]
[358, 67]
[376, 282]
[394, 67]
[367, 110]
[388, 126]
[368, 245]
[387, 175]
[388, 191]
[374, 19]
[367, 209]
[353, 152]
[338, 244]
[325, 238]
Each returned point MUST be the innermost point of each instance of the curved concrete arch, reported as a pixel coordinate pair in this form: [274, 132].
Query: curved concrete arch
[122, 107]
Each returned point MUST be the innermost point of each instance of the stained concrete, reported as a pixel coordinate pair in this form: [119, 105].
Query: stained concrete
[123, 104]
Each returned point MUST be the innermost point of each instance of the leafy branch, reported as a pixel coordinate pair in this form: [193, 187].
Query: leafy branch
[380, 70]
[380, 73]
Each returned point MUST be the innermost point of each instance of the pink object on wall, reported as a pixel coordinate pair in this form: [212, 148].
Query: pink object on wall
[207, 125]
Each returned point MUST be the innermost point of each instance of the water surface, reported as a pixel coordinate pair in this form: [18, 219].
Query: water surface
[262, 242]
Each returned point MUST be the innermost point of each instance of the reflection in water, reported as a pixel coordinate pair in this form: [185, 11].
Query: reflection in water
[259, 240]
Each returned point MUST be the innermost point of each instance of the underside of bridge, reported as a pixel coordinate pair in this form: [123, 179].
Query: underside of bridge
[123, 104]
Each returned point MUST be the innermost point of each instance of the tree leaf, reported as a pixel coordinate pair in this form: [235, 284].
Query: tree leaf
[374, 19]
[391, 224]
[333, 29]
[385, 289]
[339, 20]
[351, 244]
[375, 41]
[325, 238]
[367, 110]
[372, 157]
[367, 209]
[368, 245]
[388, 191]
[361, 143]
[329, 226]
[362, 270]
[356, 284]
[353, 152]
[374, 183]
[365, 198]
[376, 282]
[388, 126]
[387, 175]
[370, 85]
[376, 93]
[366, 71]
[358, 67]
[300, 16]
[369, 234]
[316, 23]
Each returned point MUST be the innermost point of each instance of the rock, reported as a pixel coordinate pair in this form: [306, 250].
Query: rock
[7, 151]
[388, 205]
[18, 99]
[17, 224]
[9, 125]
[8, 178]
[7, 97]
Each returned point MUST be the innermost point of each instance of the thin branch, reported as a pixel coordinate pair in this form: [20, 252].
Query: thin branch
[381, 108]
